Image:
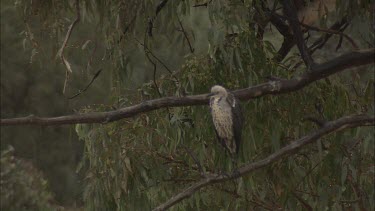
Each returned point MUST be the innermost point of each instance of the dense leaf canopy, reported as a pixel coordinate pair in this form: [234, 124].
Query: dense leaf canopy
[154, 49]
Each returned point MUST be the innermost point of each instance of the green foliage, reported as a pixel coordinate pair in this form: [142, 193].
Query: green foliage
[140, 162]
[22, 186]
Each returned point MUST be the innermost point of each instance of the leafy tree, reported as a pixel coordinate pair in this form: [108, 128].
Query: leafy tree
[171, 50]
[22, 185]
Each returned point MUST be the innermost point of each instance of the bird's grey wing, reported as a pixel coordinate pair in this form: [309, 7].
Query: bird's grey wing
[237, 118]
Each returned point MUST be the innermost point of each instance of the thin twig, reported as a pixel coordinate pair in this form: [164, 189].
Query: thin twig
[170, 159]
[319, 29]
[185, 35]
[88, 85]
[318, 44]
[338, 26]
[154, 73]
[88, 65]
[150, 26]
[132, 21]
[203, 4]
[148, 51]
[61, 51]
[330, 31]
[303, 202]
[192, 155]
[154, 56]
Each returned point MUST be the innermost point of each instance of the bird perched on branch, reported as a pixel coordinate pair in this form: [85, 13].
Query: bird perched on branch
[227, 118]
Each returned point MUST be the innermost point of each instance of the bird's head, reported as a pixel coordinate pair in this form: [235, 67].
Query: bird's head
[218, 91]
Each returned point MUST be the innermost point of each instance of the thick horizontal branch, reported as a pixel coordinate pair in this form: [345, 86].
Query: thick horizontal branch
[352, 59]
[329, 127]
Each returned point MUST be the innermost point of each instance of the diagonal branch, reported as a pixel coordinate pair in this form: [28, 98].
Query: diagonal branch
[331, 31]
[290, 11]
[333, 126]
[351, 59]
[338, 26]
[203, 4]
[185, 35]
[150, 26]
[87, 86]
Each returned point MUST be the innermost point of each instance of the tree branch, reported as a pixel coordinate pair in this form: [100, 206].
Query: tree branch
[160, 6]
[185, 35]
[283, 28]
[352, 59]
[203, 5]
[327, 31]
[330, 31]
[290, 11]
[87, 86]
[333, 126]
[61, 51]
[338, 26]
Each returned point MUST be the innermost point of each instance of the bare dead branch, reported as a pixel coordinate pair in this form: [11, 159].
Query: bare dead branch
[61, 51]
[340, 63]
[332, 126]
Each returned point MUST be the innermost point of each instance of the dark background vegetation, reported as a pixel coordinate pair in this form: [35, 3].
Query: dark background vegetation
[136, 163]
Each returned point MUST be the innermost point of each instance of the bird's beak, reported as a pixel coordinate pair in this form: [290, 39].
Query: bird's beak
[211, 94]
